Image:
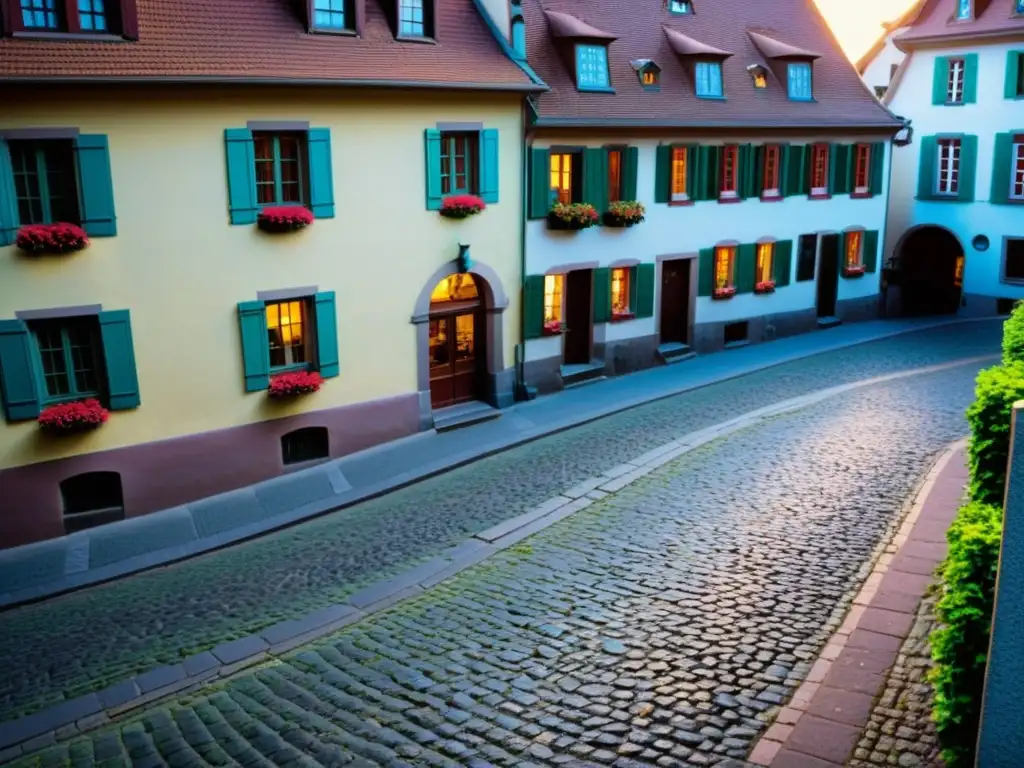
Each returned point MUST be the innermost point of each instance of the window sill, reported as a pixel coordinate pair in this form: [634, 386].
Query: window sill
[804, 99]
[723, 294]
[416, 39]
[46, 402]
[76, 37]
[775, 198]
[729, 197]
[622, 317]
[710, 98]
[334, 32]
[680, 202]
[1009, 201]
[275, 370]
[819, 196]
[855, 195]
[952, 104]
[942, 199]
[595, 89]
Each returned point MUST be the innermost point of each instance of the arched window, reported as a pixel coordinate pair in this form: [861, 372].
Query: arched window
[91, 499]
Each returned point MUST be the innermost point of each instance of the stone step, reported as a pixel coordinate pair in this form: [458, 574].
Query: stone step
[463, 415]
[674, 352]
[828, 322]
[582, 373]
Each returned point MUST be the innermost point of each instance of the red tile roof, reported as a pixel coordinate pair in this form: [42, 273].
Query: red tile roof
[267, 41]
[841, 98]
[935, 22]
[687, 46]
[564, 25]
[776, 49]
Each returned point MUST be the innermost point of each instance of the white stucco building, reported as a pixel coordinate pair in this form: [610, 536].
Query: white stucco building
[878, 65]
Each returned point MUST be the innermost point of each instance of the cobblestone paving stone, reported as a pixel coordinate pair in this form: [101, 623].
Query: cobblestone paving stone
[900, 731]
[84, 641]
[661, 626]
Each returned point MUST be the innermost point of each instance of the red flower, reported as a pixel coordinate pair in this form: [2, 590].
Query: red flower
[51, 238]
[765, 286]
[553, 327]
[724, 293]
[284, 218]
[292, 384]
[854, 271]
[73, 417]
[461, 206]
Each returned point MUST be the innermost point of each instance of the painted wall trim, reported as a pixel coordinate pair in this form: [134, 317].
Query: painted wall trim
[460, 126]
[57, 312]
[278, 125]
[675, 256]
[561, 269]
[39, 133]
[494, 293]
[287, 293]
[766, 240]
[264, 81]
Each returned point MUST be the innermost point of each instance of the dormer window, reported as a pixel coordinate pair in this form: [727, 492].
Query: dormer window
[1019, 7]
[414, 18]
[649, 74]
[332, 15]
[963, 10]
[680, 6]
[99, 17]
[759, 75]
[592, 67]
[518, 31]
[798, 77]
[708, 79]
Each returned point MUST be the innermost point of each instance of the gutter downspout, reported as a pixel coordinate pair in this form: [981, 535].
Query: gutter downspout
[885, 228]
[522, 390]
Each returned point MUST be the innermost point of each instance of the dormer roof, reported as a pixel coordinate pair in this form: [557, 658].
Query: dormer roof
[776, 49]
[564, 25]
[684, 45]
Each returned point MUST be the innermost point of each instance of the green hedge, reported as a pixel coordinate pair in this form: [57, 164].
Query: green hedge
[1013, 336]
[989, 418]
[960, 646]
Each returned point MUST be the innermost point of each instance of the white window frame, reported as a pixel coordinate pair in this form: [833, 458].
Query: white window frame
[823, 150]
[857, 148]
[776, 150]
[953, 148]
[1017, 169]
[955, 81]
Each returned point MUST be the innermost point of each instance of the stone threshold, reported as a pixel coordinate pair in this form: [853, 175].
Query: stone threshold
[823, 722]
[71, 718]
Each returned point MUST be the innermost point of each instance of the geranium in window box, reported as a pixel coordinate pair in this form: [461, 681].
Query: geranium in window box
[284, 218]
[77, 416]
[572, 217]
[765, 286]
[854, 271]
[618, 317]
[720, 294]
[51, 238]
[294, 384]
[461, 206]
[553, 328]
[624, 213]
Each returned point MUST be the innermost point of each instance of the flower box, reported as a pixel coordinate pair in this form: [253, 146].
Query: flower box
[720, 294]
[572, 217]
[294, 384]
[284, 218]
[618, 317]
[51, 238]
[77, 416]
[553, 328]
[857, 271]
[765, 286]
[624, 213]
[461, 206]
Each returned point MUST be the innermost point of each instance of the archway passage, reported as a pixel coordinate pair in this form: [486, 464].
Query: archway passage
[458, 339]
[931, 264]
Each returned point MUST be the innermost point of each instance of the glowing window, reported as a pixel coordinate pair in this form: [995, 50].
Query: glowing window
[553, 298]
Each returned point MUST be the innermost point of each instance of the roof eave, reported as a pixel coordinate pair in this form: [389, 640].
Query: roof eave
[906, 44]
[642, 122]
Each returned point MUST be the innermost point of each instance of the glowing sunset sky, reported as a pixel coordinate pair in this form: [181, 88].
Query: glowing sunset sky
[858, 24]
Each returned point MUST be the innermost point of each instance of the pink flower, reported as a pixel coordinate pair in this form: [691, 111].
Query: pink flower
[51, 238]
[73, 417]
[461, 206]
[284, 218]
[291, 384]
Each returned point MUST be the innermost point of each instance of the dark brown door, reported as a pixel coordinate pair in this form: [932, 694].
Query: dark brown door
[455, 356]
[828, 276]
[675, 301]
[578, 316]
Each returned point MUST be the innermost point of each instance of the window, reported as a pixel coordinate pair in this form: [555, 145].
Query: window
[330, 14]
[759, 75]
[413, 20]
[880, 91]
[772, 156]
[553, 298]
[70, 358]
[91, 499]
[592, 68]
[1017, 169]
[765, 259]
[614, 175]
[963, 9]
[819, 169]
[1019, 90]
[955, 82]
[458, 163]
[948, 167]
[861, 169]
[853, 245]
[102, 17]
[1019, 7]
[620, 290]
[40, 14]
[806, 257]
[708, 75]
[679, 6]
[288, 334]
[45, 183]
[306, 444]
[736, 333]
[1013, 267]
[798, 78]
[725, 258]
[649, 78]
[565, 176]
[678, 191]
[730, 171]
[281, 168]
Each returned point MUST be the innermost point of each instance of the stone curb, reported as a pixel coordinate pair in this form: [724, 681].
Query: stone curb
[835, 700]
[70, 718]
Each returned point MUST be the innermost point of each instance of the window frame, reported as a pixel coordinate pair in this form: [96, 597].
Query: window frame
[729, 173]
[801, 94]
[557, 280]
[90, 325]
[771, 192]
[764, 268]
[715, 77]
[578, 50]
[819, 151]
[121, 18]
[680, 7]
[429, 22]
[952, 176]
[1007, 240]
[302, 163]
[471, 157]
[861, 162]
[1017, 168]
[655, 84]
[352, 25]
[627, 286]
[964, 10]
[855, 236]
[42, 179]
[955, 85]
[674, 197]
[575, 155]
[307, 306]
[729, 253]
[616, 188]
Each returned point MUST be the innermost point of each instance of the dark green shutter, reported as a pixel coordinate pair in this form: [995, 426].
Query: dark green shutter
[489, 165]
[693, 158]
[758, 171]
[630, 166]
[1011, 86]
[940, 79]
[96, 185]
[18, 383]
[326, 335]
[745, 173]
[602, 295]
[968, 168]
[321, 173]
[432, 156]
[926, 168]
[840, 156]
[706, 272]
[540, 186]
[783, 266]
[869, 251]
[533, 306]
[595, 178]
[662, 173]
[971, 78]
[9, 217]
[1001, 167]
[241, 157]
[119, 357]
[745, 273]
[252, 320]
[708, 172]
[875, 180]
[633, 284]
[797, 181]
[644, 290]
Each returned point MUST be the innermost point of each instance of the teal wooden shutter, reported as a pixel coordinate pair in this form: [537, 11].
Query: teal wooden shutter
[321, 173]
[18, 383]
[644, 290]
[630, 166]
[693, 158]
[533, 306]
[745, 273]
[96, 188]
[711, 171]
[602, 295]
[326, 335]
[9, 217]
[706, 272]
[783, 266]
[940, 79]
[662, 173]
[869, 251]
[595, 178]
[968, 168]
[758, 180]
[241, 157]
[926, 168]
[1011, 86]
[119, 357]
[252, 320]
[489, 165]
[876, 181]
[432, 153]
[797, 181]
[745, 171]
[1001, 167]
[839, 159]
[540, 185]
[971, 78]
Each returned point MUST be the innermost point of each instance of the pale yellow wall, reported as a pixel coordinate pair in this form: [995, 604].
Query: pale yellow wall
[181, 268]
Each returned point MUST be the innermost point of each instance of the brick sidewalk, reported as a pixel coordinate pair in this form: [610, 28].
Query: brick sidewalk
[823, 722]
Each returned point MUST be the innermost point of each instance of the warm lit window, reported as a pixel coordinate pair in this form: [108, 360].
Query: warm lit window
[329, 14]
[288, 334]
[765, 267]
[679, 174]
[772, 157]
[649, 77]
[458, 163]
[614, 175]
[553, 298]
[592, 67]
[1017, 170]
[45, 181]
[725, 258]
[412, 19]
[819, 169]
[760, 76]
[798, 81]
[853, 246]
[948, 167]
[861, 169]
[69, 357]
[281, 170]
[958, 272]
[730, 170]
[963, 9]
[563, 176]
[955, 82]
[620, 290]
[708, 75]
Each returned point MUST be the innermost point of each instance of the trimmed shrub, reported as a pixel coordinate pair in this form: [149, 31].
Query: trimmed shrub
[1013, 336]
[960, 646]
[989, 417]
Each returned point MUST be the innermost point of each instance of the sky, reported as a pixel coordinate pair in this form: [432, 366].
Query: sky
[858, 24]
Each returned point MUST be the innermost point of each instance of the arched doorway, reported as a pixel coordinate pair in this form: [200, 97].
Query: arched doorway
[931, 267]
[457, 341]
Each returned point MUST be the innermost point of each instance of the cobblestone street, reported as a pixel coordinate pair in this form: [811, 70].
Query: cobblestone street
[660, 626]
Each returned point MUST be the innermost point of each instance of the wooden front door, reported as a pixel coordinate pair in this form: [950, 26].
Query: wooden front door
[828, 276]
[579, 317]
[675, 301]
[456, 354]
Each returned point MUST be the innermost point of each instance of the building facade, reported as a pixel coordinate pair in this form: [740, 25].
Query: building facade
[757, 155]
[261, 186]
[879, 64]
[957, 203]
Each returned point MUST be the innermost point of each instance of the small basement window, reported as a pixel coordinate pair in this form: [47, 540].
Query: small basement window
[91, 499]
[1005, 306]
[736, 333]
[1013, 267]
[306, 444]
